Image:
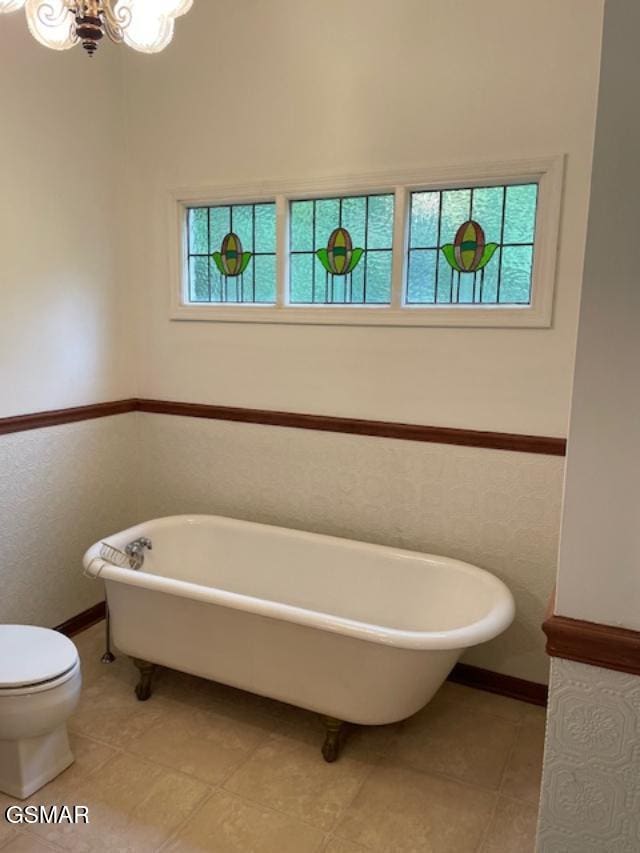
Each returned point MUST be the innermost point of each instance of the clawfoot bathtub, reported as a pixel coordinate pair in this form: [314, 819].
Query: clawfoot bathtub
[358, 633]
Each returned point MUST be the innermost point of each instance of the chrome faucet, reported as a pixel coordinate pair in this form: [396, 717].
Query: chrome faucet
[135, 551]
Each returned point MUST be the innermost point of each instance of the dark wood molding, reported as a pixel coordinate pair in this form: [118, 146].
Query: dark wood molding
[55, 417]
[503, 685]
[605, 646]
[547, 445]
[83, 620]
[356, 426]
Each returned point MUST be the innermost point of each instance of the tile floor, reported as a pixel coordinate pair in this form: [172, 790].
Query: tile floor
[203, 767]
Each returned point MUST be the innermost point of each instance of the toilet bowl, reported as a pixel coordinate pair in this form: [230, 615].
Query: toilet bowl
[40, 683]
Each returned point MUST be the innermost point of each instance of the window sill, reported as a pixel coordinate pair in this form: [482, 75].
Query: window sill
[513, 317]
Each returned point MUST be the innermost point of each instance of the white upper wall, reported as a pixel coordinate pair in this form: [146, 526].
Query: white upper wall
[267, 89]
[61, 146]
[599, 574]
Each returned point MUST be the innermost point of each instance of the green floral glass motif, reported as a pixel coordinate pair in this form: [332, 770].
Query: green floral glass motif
[232, 253]
[469, 268]
[339, 258]
[340, 250]
[231, 260]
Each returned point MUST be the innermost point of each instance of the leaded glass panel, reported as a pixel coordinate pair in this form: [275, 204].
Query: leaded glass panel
[232, 253]
[341, 250]
[471, 246]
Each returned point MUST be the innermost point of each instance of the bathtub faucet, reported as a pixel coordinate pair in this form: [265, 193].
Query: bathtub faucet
[135, 551]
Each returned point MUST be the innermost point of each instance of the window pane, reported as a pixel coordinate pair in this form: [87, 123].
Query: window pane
[487, 210]
[421, 276]
[425, 214]
[301, 224]
[380, 222]
[378, 277]
[456, 209]
[340, 250]
[265, 228]
[520, 217]
[198, 231]
[474, 230]
[301, 278]
[265, 279]
[199, 279]
[515, 284]
[232, 253]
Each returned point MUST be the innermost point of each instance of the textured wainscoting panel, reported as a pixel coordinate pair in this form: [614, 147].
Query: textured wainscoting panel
[496, 508]
[591, 779]
[61, 488]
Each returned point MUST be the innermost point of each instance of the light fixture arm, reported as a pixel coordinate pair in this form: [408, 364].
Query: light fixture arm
[116, 20]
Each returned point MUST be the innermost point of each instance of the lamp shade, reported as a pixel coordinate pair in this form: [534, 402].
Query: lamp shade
[51, 23]
[10, 5]
[151, 24]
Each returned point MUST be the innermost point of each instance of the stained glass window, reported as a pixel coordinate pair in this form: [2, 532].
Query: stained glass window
[340, 250]
[232, 253]
[472, 246]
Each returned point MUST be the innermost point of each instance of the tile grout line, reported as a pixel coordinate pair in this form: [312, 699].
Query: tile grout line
[9, 839]
[374, 766]
[512, 749]
[178, 829]
[45, 842]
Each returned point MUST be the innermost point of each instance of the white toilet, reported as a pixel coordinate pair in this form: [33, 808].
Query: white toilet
[39, 689]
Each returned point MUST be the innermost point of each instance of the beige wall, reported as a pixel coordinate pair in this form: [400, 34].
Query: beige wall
[61, 489]
[599, 572]
[591, 779]
[299, 90]
[61, 138]
[62, 341]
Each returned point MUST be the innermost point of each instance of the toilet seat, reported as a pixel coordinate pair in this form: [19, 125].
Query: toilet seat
[34, 659]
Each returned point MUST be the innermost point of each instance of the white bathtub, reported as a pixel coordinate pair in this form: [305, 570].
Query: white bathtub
[357, 632]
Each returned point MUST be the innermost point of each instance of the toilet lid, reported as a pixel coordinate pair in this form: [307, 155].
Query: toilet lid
[30, 655]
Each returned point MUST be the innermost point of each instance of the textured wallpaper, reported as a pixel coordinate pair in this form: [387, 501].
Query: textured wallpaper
[61, 488]
[591, 783]
[498, 509]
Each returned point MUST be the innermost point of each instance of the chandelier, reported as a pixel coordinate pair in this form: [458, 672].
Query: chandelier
[144, 25]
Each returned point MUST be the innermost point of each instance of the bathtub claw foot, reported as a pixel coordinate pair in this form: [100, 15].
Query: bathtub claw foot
[143, 687]
[333, 740]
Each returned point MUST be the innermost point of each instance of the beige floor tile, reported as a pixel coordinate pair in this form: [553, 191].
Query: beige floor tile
[110, 712]
[456, 739]
[536, 715]
[134, 806]
[523, 773]
[290, 775]
[512, 828]
[28, 844]
[488, 703]
[227, 824]
[6, 829]
[406, 811]
[339, 845]
[204, 744]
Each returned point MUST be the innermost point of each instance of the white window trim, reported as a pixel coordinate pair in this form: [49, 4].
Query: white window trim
[547, 171]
